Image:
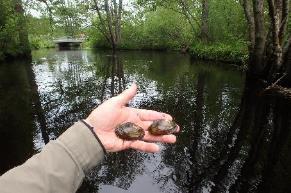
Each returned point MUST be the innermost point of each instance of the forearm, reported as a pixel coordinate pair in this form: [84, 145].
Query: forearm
[59, 167]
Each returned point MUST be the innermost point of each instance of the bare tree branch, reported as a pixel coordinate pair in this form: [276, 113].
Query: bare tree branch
[109, 23]
[189, 16]
[119, 19]
[103, 28]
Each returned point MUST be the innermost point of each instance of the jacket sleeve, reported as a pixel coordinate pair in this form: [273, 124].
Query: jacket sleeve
[59, 168]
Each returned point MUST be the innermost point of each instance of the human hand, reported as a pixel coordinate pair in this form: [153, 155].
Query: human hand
[106, 117]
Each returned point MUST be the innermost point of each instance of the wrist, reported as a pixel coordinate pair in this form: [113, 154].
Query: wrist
[93, 130]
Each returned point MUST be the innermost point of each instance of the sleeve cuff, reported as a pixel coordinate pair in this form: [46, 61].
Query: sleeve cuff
[96, 137]
[82, 145]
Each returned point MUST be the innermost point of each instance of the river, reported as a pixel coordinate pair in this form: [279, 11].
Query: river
[213, 153]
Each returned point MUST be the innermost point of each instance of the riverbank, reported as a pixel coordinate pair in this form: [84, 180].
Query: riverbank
[236, 53]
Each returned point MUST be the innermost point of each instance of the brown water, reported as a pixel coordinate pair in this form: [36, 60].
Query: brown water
[39, 102]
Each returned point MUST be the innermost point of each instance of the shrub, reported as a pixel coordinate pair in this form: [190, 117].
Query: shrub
[236, 52]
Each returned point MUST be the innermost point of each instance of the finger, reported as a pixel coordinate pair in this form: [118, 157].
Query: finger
[145, 146]
[178, 129]
[127, 95]
[150, 115]
[161, 138]
[145, 124]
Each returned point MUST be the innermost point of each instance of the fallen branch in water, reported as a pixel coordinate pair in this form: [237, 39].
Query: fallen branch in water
[276, 90]
[275, 83]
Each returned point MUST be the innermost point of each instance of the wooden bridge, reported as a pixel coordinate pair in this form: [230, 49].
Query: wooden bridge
[68, 43]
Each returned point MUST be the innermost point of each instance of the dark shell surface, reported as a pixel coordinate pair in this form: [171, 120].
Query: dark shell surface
[162, 127]
[129, 131]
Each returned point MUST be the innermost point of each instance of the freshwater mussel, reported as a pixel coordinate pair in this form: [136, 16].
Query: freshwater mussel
[163, 127]
[129, 131]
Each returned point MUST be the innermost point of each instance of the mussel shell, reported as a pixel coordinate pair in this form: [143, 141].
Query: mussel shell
[162, 127]
[129, 131]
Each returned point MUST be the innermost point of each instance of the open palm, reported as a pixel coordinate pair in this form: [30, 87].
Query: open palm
[113, 112]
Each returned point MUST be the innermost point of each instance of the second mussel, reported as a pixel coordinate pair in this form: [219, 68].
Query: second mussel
[129, 131]
[163, 127]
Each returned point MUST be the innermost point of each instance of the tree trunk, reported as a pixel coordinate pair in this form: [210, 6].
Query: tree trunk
[257, 57]
[119, 20]
[248, 10]
[22, 30]
[102, 27]
[287, 62]
[275, 12]
[110, 25]
[266, 49]
[204, 21]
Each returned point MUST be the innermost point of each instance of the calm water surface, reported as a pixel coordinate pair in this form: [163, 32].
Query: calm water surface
[40, 102]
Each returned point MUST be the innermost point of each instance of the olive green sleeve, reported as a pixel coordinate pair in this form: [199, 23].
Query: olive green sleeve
[59, 167]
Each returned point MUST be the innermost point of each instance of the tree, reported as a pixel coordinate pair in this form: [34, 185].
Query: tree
[204, 21]
[110, 20]
[268, 46]
[49, 4]
[65, 17]
[13, 31]
[196, 13]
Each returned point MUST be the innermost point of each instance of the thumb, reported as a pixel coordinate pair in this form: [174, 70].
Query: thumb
[127, 95]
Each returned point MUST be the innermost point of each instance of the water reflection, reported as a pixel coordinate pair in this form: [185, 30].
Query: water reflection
[203, 99]
[255, 161]
[16, 118]
[225, 145]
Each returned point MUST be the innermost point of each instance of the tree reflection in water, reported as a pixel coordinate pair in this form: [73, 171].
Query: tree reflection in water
[204, 105]
[190, 93]
[224, 145]
[254, 154]
[16, 119]
[114, 76]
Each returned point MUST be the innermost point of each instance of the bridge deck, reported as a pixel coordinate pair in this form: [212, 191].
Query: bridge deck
[68, 43]
[58, 41]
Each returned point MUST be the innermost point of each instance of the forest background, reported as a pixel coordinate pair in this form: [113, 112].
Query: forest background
[208, 29]
[251, 32]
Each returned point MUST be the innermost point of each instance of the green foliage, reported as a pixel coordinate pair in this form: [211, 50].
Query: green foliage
[38, 26]
[39, 32]
[13, 34]
[226, 21]
[161, 29]
[163, 25]
[41, 41]
[154, 24]
[58, 19]
[236, 52]
[167, 29]
[96, 38]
